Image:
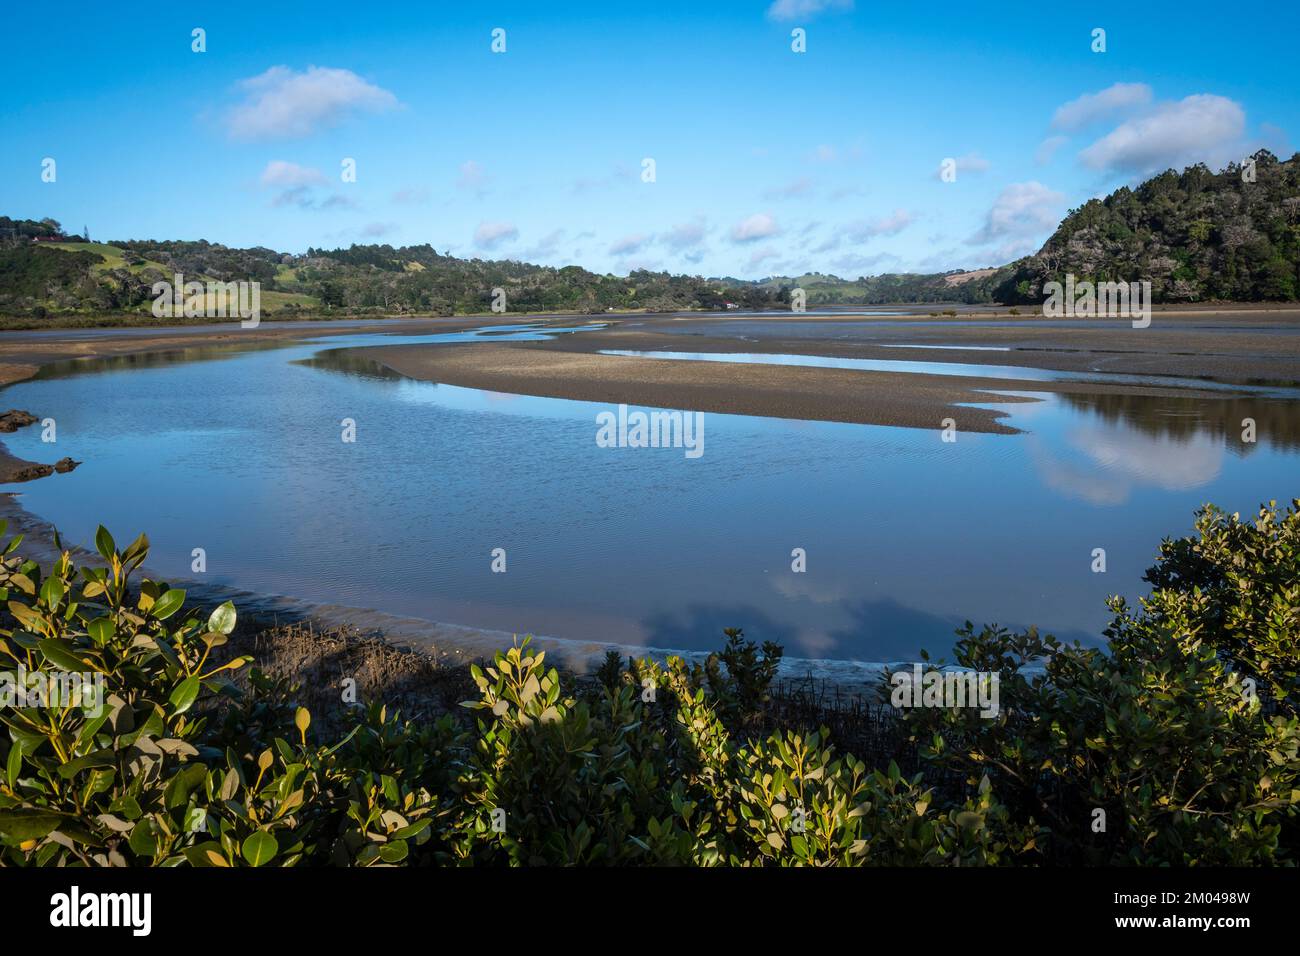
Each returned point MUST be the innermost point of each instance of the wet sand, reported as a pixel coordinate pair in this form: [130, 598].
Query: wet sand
[1240, 347]
[906, 399]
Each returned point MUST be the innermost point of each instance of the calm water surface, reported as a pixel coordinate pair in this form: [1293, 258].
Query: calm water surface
[238, 451]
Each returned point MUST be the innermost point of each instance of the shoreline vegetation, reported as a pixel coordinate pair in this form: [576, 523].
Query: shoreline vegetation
[221, 744]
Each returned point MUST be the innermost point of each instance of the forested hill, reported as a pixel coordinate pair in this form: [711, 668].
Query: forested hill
[43, 271]
[1195, 235]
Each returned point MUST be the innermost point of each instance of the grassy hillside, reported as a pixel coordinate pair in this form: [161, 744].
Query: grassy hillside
[111, 257]
[78, 277]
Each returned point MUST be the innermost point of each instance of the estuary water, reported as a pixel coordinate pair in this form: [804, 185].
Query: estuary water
[240, 452]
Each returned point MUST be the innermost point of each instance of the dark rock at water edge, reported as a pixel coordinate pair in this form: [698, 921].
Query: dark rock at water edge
[31, 472]
[15, 419]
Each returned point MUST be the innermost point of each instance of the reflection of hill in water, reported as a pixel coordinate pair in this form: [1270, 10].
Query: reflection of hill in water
[1277, 420]
[161, 358]
[351, 363]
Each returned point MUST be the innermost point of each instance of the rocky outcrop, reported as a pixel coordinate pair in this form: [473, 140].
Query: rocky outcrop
[15, 419]
[29, 472]
[16, 469]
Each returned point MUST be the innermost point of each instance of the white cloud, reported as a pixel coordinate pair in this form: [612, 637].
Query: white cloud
[629, 244]
[1047, 149]
[585, 184]
[546, 246]
[411, 196]
[687, 235]
[1021, 209]
[798, 187]
[489, 235]
[471, 178]
[1013, 249]
[828, 245]
[941, 260]
[635, 265]
[890, 225]
[285, 104]
[286, 175]
[970, 163]
[796, 9]
[858, 265]
[758, 226]
[1198, 128]
[294, 196]
[1091, 107]
[296, 185]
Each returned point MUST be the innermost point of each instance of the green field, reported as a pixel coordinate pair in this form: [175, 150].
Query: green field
[115, 258]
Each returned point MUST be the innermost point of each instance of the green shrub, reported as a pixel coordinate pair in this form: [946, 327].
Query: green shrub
[201, 760]
[1161, 732]
[743, 689]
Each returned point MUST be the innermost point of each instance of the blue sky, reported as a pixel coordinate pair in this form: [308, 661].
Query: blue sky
[766, 161]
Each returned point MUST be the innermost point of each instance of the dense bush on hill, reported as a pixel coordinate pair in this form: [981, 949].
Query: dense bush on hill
[417, 279]
[31, 271]
[203, 258]
[1178, 745]
[891, 287]
[24, 230]
[1194, 235]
